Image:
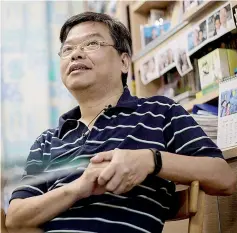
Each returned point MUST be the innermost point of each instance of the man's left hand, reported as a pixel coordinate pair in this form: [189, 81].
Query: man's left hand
[127, 168]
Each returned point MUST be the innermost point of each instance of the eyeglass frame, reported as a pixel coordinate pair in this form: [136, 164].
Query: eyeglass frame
[75, 47]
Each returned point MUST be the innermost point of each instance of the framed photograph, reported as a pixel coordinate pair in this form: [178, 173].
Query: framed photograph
[181, 58]
[197, 37]
[149, 70]
[165, 59]
[220, 22]
[151, 32]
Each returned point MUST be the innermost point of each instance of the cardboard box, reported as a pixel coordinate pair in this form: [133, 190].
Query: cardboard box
[216, 65]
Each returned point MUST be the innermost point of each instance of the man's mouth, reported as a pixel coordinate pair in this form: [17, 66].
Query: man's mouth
[78, 67]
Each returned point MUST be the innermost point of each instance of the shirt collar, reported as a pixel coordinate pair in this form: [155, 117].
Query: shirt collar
[125, 101]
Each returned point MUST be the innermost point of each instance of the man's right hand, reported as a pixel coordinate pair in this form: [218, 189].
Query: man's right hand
[87, 185]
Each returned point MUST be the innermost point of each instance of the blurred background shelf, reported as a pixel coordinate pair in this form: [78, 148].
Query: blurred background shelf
[206, 98]
[143, 7]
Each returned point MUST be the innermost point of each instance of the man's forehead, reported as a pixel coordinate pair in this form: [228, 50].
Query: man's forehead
[87, 30]
[80, 38]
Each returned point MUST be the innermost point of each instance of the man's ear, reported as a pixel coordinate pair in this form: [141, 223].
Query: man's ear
[125, 63]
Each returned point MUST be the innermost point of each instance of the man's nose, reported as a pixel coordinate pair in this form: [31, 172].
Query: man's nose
[78, 54]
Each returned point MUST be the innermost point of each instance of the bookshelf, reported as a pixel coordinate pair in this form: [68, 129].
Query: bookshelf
[143, 7]
[191, 15]
[180, 24]
[204, 99]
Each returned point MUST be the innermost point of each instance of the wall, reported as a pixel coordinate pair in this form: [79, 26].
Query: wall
[32, 95]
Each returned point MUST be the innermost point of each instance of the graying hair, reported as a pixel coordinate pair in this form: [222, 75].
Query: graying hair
[119, 33]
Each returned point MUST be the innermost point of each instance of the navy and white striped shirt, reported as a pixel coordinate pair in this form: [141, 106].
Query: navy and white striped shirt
[134, 123]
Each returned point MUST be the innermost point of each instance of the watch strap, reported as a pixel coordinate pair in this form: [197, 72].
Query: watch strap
[157, 161]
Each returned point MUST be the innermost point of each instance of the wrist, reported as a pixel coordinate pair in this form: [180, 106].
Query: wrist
[73, 190]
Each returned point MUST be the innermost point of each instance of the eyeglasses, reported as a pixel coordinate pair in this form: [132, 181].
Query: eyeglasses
[86, 46]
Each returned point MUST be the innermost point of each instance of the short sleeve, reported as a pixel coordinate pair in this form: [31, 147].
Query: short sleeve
[32, 183]
[184, 136]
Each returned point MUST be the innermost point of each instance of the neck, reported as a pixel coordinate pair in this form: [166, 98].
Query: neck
[93, 102]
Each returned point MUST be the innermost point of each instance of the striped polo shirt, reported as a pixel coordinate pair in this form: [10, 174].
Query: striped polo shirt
[60, 155]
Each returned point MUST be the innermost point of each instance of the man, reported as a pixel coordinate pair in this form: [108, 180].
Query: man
[136, 148]
[217, 25]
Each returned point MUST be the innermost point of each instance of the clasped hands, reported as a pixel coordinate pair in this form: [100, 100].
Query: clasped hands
[116, 171]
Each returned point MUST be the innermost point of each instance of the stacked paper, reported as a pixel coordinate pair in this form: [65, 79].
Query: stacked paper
[208, 122]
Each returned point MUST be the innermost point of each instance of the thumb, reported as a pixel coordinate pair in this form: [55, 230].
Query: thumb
[103, 156]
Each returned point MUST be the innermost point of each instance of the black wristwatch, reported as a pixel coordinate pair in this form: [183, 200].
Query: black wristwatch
[157, 161]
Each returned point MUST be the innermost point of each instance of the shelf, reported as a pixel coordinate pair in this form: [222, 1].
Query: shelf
[186, 20]
[206, 98]
[144, 7]
[230, 153]
[158, 41]
[197, 10]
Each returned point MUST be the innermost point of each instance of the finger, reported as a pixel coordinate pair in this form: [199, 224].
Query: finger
[114, 182]
[123, 187]
[107, 174]
[98, 190]
[103, 156]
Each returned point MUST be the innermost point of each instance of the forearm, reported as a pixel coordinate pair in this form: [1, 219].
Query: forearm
[34, 211]
[214, 174]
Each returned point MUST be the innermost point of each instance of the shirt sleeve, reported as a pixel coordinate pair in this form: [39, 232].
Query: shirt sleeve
[184, 136]
[32, 183]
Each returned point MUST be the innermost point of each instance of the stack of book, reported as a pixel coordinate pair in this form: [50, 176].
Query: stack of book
[208, 122]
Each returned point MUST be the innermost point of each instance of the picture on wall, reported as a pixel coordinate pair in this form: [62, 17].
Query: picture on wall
[151, 32]
[197, 37]
[220, 22]
[165, 59]
[182, 60]
[149, 70]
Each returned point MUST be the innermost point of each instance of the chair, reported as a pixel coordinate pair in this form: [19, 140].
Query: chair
[190, 205]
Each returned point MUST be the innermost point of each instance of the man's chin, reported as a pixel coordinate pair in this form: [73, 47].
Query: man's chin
[78, 86]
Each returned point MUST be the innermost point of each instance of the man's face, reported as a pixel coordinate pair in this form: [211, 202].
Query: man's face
[217, 24]
[200, 36]
[104, 64]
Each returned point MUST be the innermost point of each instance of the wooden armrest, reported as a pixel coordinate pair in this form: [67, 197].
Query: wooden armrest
[193, 199]
[186, 202]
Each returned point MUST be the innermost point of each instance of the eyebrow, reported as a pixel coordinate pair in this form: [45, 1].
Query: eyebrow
[96, 34]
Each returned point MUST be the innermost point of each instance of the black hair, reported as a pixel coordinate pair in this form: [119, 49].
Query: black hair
[217, 17]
